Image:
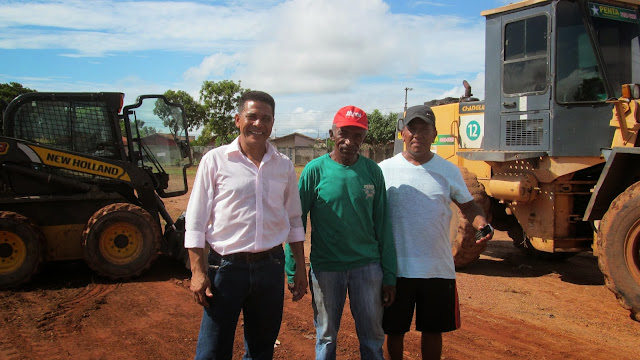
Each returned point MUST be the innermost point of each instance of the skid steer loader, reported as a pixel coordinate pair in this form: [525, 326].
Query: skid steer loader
[81, 177]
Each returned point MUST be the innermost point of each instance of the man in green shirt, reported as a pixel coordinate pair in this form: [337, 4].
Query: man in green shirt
[352, 247]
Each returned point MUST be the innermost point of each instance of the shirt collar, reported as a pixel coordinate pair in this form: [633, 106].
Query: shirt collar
[234, 147]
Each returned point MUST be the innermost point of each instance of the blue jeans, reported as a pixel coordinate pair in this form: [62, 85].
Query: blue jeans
[329, 290]
[255, 288]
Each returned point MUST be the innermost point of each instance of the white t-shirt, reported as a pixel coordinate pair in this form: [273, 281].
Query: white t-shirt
[419, 199]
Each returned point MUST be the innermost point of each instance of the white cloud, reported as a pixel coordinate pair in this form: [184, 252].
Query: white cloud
[329, 46]
[314, 56]
[98, 28]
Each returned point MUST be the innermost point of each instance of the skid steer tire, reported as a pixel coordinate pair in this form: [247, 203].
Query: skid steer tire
[121, 241]
[462, 233]
[619, 249]
[21, 249]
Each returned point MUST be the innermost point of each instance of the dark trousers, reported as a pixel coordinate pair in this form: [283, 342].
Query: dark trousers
[254, 285]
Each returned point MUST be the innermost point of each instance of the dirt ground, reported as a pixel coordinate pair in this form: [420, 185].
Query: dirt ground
[513, 307]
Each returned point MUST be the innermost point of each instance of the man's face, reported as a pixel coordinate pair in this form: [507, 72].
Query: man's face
[418, 136]
[347, 141]
[255, 122]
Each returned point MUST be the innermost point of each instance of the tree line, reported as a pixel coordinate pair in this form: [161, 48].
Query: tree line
[214, 112]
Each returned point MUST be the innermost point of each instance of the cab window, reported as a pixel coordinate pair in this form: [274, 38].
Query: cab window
[525, 63]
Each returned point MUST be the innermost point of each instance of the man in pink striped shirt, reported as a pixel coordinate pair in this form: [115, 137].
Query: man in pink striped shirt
[244, 204]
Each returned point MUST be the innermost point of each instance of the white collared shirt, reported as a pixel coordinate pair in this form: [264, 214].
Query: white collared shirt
[238, 207]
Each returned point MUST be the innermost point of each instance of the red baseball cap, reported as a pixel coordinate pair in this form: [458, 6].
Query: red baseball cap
[351, 116]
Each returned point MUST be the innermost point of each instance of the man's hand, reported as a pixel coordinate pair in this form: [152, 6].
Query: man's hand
[474, 214]
[300, 284]
[201, 288]
[388, 295]
[200, 284]
[482, 229]
[485, 239]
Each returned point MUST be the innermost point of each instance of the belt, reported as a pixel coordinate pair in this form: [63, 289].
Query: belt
[249, 257]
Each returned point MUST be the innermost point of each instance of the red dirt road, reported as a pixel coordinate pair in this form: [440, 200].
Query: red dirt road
[512, 308]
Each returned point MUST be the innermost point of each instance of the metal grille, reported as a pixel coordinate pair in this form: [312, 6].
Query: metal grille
[81, 126]
[524, 132]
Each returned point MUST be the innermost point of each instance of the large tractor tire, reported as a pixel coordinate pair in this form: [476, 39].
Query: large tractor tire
[619, 249]
[462, 233]
[121, 241]
[21, 249]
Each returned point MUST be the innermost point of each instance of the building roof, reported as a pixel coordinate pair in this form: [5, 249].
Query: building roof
[293, 135]
[170, 136]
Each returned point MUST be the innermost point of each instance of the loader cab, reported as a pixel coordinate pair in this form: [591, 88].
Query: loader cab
[157, 141]
[82, 123]
[550, 67]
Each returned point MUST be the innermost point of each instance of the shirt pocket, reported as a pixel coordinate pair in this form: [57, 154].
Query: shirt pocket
[275, 193]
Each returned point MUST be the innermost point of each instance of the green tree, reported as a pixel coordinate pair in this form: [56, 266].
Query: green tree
[146, 130]
[382, 130]
[194, 111]
[9, 91]
[220, 100]
[206, 134]
[172, 117]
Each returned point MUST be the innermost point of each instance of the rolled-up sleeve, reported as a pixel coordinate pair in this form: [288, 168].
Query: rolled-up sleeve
[198, 215]
[294, 210]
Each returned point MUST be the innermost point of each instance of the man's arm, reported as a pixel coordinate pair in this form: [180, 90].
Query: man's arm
[197, 218]
[200, 284]
[474, 214]
[300, 282]
[386, 244]
[294, 249]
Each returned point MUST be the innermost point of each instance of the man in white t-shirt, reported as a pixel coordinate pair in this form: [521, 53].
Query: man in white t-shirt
[420, 188]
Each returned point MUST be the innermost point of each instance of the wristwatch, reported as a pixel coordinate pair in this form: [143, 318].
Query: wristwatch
[486, 230]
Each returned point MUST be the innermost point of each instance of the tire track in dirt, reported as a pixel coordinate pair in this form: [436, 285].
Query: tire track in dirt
[34, 335]
[8, 350]
[67, 317]
[14, 337]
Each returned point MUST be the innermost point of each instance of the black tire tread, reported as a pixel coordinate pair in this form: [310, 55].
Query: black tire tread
[18, 218]
[612, 262]
[94, 261]
[464, 247]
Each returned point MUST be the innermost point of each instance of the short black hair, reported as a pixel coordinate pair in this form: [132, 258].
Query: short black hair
[256, 95]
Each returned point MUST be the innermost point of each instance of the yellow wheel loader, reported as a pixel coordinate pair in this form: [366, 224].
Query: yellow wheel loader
[552, 153]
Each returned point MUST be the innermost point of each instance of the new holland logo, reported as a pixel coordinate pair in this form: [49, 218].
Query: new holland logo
[80, 164]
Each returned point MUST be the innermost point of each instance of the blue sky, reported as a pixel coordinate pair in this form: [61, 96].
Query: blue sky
[313, 56]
